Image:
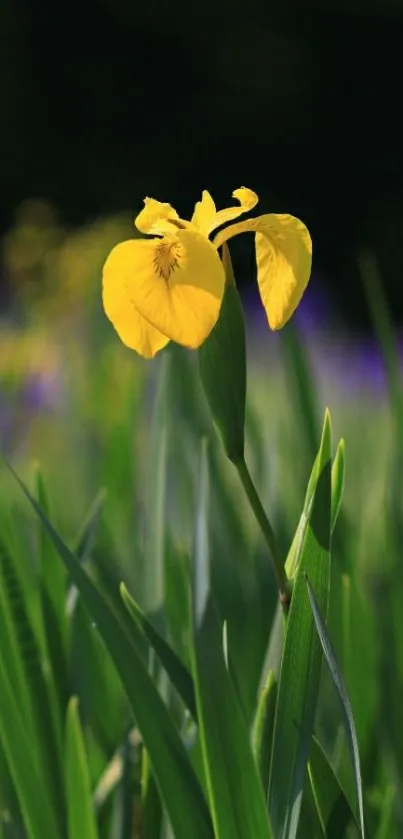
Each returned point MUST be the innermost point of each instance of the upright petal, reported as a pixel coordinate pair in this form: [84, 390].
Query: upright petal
[284, 258]
[155, 217]
[175, 283]
[133, 329]
[204, 214]
[247, 201]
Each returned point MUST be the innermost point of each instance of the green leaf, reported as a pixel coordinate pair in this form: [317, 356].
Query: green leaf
[338, 682]
[178, 785]
[301, 387]
[385, 826]
[152, 576]
[177, 672]
[151, 810]
[80, 810]
[334, 811]
[102, 698]
[85, 539]
[51, 574]
[338, 475]
[22, 758]
[298, 684]
[235, 792]
[263, 728]
[123, 800]
[222, 364]
[337, 487]
[26, 674]
[52, 589]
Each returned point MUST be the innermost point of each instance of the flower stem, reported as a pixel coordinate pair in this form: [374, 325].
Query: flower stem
[283, 583]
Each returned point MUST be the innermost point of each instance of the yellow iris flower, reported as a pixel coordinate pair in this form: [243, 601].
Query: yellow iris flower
[170, 287]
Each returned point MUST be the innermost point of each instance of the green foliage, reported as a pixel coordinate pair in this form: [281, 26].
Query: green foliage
[150, 685]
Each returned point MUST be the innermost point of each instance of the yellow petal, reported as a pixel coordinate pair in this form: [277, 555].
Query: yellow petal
[133, 329]
[284, 258]
[175, 283]
[204, 214]
[247, 200]
[155, 217]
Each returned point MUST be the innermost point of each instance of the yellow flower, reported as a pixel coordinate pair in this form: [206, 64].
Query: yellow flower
[170, 287]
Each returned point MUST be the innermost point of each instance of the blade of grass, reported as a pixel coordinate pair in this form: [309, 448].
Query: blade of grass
[338, 682]
[23, 658]
[22, 758]
[234, 788]
[80, 810]
[298, 684]
[178, 785]
[337, 488]
[263, 728]
[301, 380]
[85, 539]
[177, 672]
[154, 548]
[151, 812]
[335, 813]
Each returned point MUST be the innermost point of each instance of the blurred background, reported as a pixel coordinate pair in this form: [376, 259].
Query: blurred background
[106, 102]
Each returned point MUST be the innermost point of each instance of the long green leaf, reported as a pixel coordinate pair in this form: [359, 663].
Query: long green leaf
[52, 588]
[152, 577]
[338, 477]
[385, 826]
[341, 689]
[235, 792]
[80, 810]
[151, 811]
[85, 539]
[301, 387]
[24, 667]
[335, 813]
[178, 785]
[301, 663]
[34, 800]
[177, 672]
[337, 487]
[263, 728]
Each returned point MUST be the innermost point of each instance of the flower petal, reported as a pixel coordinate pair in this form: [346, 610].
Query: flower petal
[175, 283]
[155, 217]
[284, 258]
[247, 200]
[133, 329]
[204, 214]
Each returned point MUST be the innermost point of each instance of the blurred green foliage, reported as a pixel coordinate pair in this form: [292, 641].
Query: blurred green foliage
[118, 441]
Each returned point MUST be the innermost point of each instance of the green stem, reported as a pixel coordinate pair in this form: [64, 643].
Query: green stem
[281, 578]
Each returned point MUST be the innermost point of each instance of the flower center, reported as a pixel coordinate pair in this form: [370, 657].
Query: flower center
[167, 256]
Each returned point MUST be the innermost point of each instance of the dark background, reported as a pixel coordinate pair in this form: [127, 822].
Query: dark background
[106, 102]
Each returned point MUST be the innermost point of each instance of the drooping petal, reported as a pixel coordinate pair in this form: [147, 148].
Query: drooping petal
[175, 283]
[133, 329]
[284, 258]
[155, 217]
[247, 201]
[204, 214]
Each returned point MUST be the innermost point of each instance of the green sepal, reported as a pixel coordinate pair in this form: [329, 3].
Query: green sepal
[222, 364]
